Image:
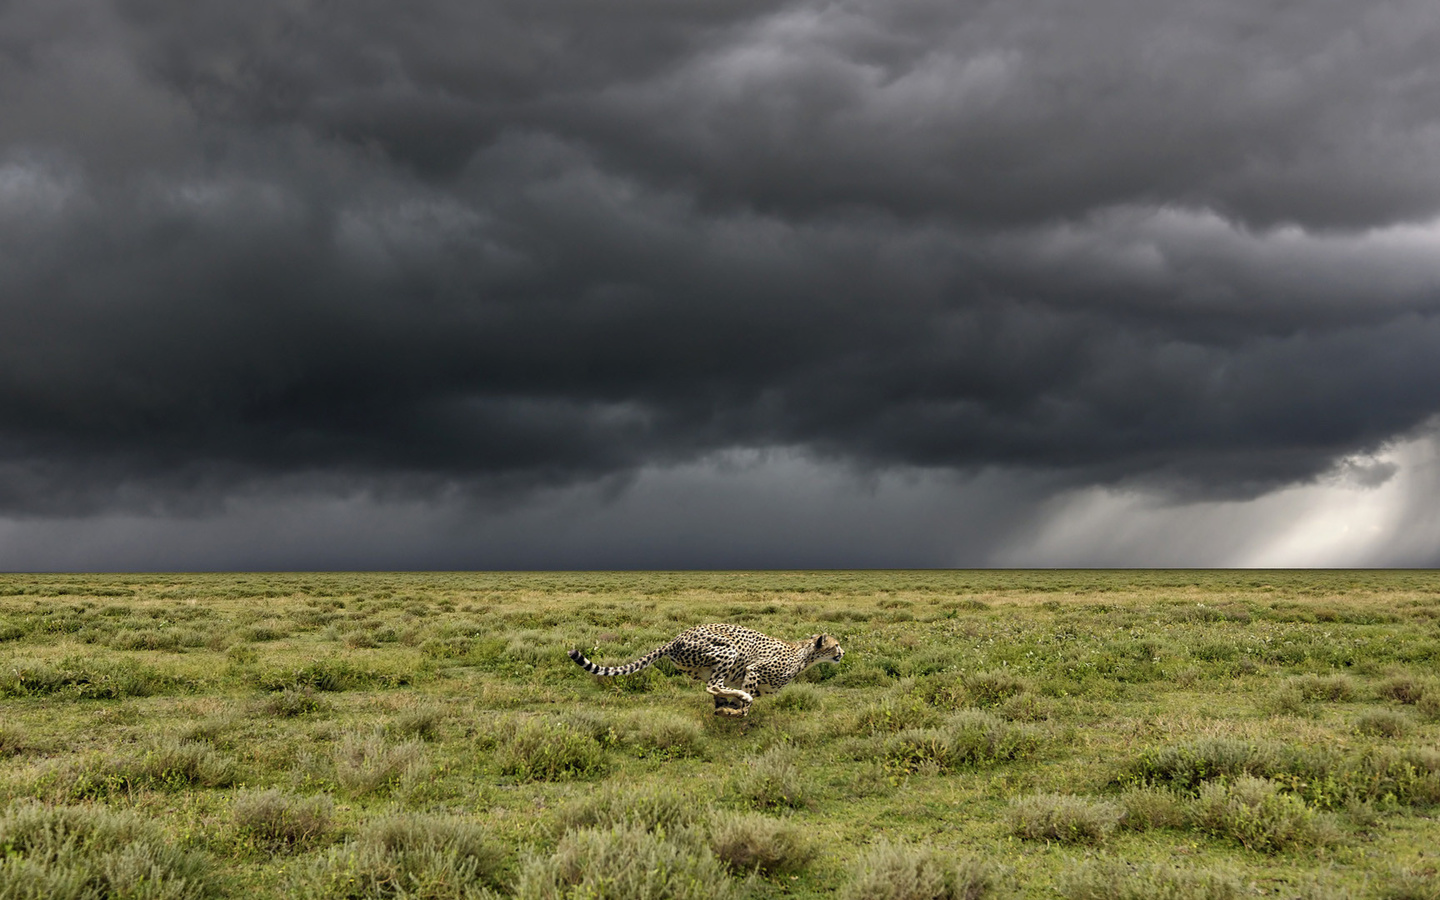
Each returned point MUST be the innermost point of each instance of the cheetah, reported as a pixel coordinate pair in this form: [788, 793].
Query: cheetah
[717, 654]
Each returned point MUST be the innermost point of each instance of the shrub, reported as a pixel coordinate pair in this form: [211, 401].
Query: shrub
[625, 863]
[1402, 688]
[944, 691]
[367, 764]
[1150, 807]
[146, 639]
[1027, 707]
[13, 740]
[663, 735]
[895, 713]
[259, 634]
[1384, 723]
[651, 807]
[167, 766]
[972, 739]
[207, 731]
[1408, 884]
[798, 698]
[1252, 812]
[748, 842]
[898, 872]
[89, 852]
[85, 679]
[417, 857]
[1185, 767]
[1117, 880]
[360, 639]
[993, 688]
[1064, 818]
[292, 702]
[275, 820]
[1287, 700]
[1332, 688]
[1429, 705]
[550, 752]
[423, 723]
[771, 780]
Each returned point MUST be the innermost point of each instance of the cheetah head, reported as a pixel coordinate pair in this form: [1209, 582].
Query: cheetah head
[824, 648]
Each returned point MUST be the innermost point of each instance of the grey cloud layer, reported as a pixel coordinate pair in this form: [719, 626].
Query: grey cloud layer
[523, 244]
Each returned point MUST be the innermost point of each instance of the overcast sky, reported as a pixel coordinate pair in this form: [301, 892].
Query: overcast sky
[714, 283]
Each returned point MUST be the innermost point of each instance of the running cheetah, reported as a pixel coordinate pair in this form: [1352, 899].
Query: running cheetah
[717, 654]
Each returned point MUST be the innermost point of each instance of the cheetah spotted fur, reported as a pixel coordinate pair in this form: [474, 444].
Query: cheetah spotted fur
[722, 655]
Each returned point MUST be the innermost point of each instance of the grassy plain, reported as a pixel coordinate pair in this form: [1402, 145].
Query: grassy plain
[1183, 734]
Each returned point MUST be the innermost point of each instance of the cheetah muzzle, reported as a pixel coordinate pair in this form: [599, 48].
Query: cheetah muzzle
[726, 655]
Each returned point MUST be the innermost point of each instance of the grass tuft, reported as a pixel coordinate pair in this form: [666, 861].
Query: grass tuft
[625, 863]
[749, 842]
[1255, 814]
[411, 856]
[1388, 723]
[772, 780]
[540, 751]
[278, 821]
[79, 853]
[967, 739]
[899, 872]
[652, 807]
[1117, 880]
[1064, 818]
[370, 764]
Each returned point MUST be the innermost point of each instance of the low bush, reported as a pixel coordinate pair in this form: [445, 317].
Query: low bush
[897, 712]
[1027, 707]
[660, 734]
[278, 821]
[899, 872]
[293, 702]
[1330, 688]
[13, 740]
[625, 863]
[370, 764]
[650, 807]
[1428, 706]
[1410, 884]
[1118, 880]
[423, 723]
[994, 688]
[1064, 818]
[749, 842]
[85, 679]
[972, 739]
[169, 765]
[1328, 780]
[1185, 767]
[1255, 814]
[90, 853]
[1387, 723]
[416, 857]
[540, 751]
[1149, 807]
[798, 698]
[1402, 688]
[771, 780]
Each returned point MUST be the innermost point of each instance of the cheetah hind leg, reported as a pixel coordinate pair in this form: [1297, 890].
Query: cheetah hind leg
[731, 706]
[728, 701]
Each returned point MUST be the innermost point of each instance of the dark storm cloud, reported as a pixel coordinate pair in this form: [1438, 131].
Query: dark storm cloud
[510, 245]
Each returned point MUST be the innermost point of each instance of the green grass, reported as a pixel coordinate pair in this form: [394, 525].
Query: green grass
[988, 734]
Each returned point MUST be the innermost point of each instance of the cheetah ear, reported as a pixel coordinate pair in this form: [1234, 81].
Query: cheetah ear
[819, 641]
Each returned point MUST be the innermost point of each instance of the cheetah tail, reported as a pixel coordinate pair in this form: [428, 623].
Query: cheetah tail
[611, 671]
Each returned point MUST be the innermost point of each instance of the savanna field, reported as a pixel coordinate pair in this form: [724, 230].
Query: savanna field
[1091, 734]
